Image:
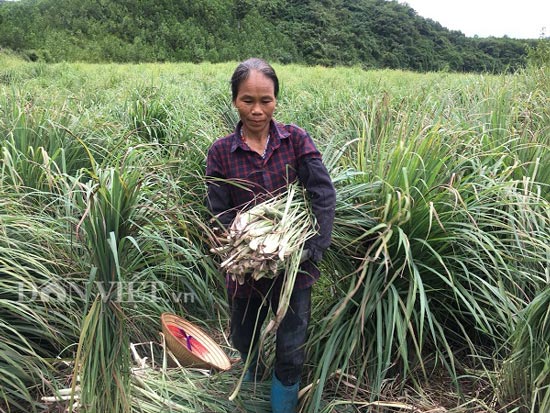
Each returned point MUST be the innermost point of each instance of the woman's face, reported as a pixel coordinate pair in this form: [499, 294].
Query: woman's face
[256, 103]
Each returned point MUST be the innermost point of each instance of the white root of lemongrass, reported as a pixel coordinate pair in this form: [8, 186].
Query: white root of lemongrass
[62, 395]
[60, 398]
[261, 239]
[141, 361]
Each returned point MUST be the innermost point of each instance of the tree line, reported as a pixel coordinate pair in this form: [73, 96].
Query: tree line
[368, 33]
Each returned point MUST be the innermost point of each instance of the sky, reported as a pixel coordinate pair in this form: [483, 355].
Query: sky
[520, 19]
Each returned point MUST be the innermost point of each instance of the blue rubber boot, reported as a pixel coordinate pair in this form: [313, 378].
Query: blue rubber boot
[284, 399]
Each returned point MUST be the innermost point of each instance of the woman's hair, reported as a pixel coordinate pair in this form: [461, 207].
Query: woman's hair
[243, 70]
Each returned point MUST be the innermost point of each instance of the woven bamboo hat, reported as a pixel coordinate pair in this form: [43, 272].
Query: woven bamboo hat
[191, 345]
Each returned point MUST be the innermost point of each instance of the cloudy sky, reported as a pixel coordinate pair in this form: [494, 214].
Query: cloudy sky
[521, 19]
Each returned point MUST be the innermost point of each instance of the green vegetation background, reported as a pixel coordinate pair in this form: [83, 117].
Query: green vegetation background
[435, 293]
[367, 33]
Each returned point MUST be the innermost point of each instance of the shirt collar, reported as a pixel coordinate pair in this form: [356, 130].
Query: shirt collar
[276, 131]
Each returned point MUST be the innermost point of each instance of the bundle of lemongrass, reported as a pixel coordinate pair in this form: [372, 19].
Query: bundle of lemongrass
[261, 240]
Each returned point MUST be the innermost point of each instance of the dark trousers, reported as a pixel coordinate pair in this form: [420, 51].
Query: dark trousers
[247, 317]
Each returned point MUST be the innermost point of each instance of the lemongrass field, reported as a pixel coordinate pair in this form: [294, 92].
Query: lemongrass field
[434, 295]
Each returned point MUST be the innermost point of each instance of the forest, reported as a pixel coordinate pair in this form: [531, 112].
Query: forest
[371, 34]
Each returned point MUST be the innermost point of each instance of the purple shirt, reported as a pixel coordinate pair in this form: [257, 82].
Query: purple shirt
[254, 178]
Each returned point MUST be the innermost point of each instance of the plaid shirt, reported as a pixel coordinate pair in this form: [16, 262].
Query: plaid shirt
[253, 178]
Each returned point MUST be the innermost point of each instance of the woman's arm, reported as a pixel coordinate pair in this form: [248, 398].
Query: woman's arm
[218, 201]
[314, 176]
[218, 197]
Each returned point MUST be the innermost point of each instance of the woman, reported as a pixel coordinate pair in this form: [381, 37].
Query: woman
[259, 159]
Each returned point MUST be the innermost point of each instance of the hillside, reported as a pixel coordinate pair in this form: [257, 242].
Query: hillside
[368, 33]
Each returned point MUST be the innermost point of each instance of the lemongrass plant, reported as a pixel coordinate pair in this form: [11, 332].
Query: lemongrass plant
[434, 274]
[37, 314]
[102, 363]
[524, 379]
[139, 239]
